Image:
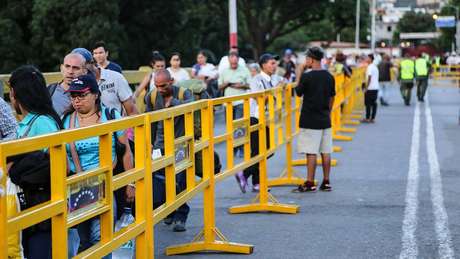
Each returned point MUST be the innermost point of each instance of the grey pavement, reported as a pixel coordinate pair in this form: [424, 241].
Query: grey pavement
[363, 216]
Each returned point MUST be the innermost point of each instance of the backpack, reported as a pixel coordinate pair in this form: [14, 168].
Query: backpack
[199, 92]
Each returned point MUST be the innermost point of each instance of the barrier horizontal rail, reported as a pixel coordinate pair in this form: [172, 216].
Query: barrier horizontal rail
[132, 76]
[283, 110]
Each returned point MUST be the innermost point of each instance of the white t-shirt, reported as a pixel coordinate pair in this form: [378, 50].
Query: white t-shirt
[372, 71]
[224, 63]
[260, 82]
[114, 89]
[179, 75]
[208, 70]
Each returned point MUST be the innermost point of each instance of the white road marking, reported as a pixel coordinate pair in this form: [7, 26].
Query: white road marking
[409, 241]
[440, 215]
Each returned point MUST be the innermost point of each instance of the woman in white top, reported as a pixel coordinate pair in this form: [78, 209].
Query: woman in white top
[206, 72]
[178, 73]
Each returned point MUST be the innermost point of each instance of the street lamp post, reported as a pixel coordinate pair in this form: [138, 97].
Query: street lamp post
[357, 24]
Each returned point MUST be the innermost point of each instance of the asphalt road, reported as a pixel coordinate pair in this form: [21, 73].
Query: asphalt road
[372, 211]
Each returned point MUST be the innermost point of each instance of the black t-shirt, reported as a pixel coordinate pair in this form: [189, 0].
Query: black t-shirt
[385, 71]
[317, 88]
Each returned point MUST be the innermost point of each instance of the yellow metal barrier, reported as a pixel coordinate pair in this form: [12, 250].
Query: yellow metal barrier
[283, 111]
[133, 77]
[446, 72]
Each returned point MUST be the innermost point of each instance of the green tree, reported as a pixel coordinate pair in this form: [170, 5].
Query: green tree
[59, 26]
[15, 34]
[414, 22]
[264, 21]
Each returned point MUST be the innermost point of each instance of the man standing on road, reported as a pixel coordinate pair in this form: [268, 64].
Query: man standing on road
[100, 54]
[263, 81]
[72, 67]
[166, 95]
[115, 90]
[234, 80]
[421, 72]
[318, 90]
[372, 90]
[406, 74]
[385, 79]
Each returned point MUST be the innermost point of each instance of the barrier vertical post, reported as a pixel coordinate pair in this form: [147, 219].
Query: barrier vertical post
[105, 159]
[3, 216]
[288, 176]
[144, 206]
[266, 201]
[170, 174]
[206, 239]
[58, 158]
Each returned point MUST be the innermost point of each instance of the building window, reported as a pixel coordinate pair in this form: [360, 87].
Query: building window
[389, 28]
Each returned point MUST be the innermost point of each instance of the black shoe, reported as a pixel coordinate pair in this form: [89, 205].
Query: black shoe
[306, 187]
[168, 221]
[179, 226]
[385, 103]
[325, 186]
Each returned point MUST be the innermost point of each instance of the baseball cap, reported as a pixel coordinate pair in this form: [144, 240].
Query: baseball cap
[288, 52]
[264, 58]
[316, 53]
[84, 83]
[85, 53]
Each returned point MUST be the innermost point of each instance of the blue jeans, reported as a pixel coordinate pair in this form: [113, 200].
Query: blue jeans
[39, 244]
[90, 231]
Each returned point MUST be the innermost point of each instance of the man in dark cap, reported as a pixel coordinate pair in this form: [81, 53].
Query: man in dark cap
[318, 90]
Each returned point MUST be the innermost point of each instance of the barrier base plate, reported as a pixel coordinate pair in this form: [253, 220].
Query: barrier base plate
[347, 130]
[341, 137]
[265, 207]
[198, 245]
[217, 246]
[336, 149]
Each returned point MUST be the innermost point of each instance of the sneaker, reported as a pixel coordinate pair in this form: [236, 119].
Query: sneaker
[372, 121]
[256, 188]
[179, 226]
[168, 221]
[365, 121]
[242, 182]
[325, 186]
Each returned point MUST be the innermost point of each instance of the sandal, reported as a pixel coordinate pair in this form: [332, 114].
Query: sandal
[305, 187]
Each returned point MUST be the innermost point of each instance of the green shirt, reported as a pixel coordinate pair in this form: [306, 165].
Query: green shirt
[238, 75]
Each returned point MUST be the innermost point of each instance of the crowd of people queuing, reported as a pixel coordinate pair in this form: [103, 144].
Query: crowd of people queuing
[94, 90]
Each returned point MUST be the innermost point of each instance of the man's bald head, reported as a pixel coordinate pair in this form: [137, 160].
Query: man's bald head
[73, 66]
[163, 75]
[75, 56]
[163, 82]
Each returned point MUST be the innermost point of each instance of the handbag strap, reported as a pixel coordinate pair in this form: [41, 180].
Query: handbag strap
[73, 149]
[29, 125]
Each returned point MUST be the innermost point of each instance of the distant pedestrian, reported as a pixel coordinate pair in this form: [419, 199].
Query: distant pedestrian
[384, 79]
[421, 73]
[234, 80]
[318, 90]
[157, 62]
[406, 76]
[206, 72]
[179, 74]
[101, 54]
[371, 90]
[225, 63]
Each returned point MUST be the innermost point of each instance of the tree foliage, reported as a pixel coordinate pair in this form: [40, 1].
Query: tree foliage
[43, 31]
[414, 22]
